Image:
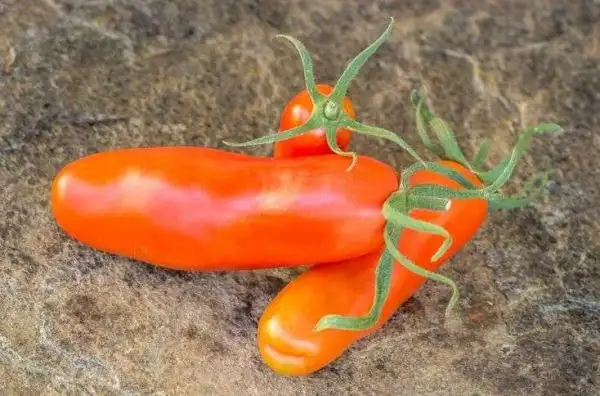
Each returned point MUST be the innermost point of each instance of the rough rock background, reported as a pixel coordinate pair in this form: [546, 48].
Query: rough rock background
[81, 76]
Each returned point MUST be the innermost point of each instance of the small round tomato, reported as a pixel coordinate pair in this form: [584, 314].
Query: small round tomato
[313, 142]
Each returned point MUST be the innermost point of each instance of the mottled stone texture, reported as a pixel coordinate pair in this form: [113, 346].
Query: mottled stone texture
[90, 75]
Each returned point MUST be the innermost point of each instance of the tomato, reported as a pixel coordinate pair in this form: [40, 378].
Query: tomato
[203, 209]
[287, 339]
[313, 142]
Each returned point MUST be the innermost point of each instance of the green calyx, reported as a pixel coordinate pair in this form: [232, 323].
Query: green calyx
[397, 208]
[328, 112]
[448, 148]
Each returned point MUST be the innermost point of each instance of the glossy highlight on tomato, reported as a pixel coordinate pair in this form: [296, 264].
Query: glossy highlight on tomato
[204, 209]
[313, 142]
[287, 339]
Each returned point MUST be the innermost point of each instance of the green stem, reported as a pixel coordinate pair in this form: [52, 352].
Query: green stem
[331, 110]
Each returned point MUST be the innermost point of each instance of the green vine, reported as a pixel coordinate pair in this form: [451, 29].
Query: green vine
[328, 110]
[397, 208]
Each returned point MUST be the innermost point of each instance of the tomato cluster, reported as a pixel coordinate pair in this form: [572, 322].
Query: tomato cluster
[374, 236]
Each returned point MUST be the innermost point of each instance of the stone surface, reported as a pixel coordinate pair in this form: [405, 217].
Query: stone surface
[85, 76]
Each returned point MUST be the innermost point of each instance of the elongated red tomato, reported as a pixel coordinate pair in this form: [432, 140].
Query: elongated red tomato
[286, 339]
[297, 112]
[204, 209]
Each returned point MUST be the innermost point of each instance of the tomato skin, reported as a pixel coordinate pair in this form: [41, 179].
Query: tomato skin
[313, 142]
[286, 338]
[202, 209]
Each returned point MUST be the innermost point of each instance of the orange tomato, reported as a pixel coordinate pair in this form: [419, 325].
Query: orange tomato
[287, 340]
[203, 209]
[313, 142]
